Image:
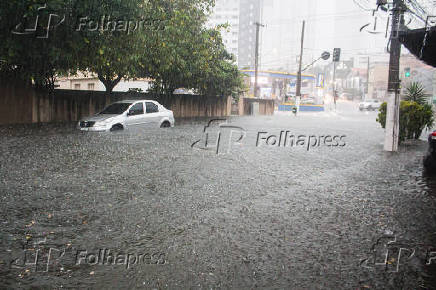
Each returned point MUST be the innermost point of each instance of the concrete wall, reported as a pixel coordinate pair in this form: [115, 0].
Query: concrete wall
[266, 107]
[25, 105]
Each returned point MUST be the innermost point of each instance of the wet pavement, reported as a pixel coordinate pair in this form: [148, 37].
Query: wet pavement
[143, 209]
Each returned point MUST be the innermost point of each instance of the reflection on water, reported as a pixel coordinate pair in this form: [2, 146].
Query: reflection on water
[292, 217]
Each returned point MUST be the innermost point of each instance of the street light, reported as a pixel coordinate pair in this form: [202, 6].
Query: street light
[325, 56]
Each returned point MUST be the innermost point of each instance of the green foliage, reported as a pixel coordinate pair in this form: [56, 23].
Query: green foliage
[382, 115]
[112, 52]
[414, 118]
[170, 46]
[188, 55]
[416, 93]
[31, 56]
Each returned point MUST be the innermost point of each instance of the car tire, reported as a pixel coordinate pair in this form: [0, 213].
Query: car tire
[117, 127]
[165, 124]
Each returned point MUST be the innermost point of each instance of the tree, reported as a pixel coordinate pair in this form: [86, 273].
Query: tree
[36, 55]
[69, 36]
[112, 50]
[416, 93]
[189, 55]
[168, 43]
[217, 73]
[173, 51]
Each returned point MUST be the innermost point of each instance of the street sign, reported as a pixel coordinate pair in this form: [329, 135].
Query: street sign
[325, 55]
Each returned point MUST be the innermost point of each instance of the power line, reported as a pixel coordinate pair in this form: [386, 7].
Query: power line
[361, 7]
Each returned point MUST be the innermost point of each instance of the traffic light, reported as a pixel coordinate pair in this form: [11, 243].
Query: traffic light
[407, 72]
[336, 54]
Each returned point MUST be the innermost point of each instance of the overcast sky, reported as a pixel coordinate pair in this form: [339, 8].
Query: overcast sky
[329, 24]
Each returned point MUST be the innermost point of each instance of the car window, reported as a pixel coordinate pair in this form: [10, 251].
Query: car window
[151, 107]
[116, 109]
[137, 109]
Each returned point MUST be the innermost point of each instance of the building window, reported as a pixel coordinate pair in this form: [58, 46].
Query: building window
[77, 86]
[91, 87]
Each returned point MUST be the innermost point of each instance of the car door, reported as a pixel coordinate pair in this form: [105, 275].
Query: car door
[135, 115]
[152, 113]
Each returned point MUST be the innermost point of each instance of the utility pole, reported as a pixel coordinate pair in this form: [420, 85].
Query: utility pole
[367, 79]
[298, 89]
[334, 84]
[393, 108]
[336, 59]
[256, 61]
[334, 77]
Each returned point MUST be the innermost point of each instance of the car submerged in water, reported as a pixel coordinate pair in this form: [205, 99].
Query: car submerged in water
[126, 114]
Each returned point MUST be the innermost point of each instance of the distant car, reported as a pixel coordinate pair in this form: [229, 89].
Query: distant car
[430, 158]
[346, 96]
[126, 114]
[370, 105]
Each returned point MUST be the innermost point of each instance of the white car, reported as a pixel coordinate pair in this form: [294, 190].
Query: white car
[370, 105]
[126, 114]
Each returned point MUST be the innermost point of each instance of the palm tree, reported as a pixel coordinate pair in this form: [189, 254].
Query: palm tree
[415, 93]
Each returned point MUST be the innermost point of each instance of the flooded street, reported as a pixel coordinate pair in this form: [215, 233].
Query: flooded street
[176, 217]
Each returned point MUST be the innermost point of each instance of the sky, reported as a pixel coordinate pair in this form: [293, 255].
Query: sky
[329, 24]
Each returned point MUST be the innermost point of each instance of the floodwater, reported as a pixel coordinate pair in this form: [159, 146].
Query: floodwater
[248, 217]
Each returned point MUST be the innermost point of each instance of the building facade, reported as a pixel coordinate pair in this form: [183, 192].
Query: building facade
[91, 82]
[227, 12]
[250, 13]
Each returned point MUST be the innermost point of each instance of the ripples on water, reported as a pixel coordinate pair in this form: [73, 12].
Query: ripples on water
[261, 217]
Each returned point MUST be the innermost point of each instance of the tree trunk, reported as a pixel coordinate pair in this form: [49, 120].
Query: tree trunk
[109, 83]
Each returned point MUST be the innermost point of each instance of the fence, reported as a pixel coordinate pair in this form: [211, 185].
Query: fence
[266, 107]
[26, 105]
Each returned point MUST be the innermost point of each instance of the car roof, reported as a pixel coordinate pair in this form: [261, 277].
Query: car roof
[135, 101]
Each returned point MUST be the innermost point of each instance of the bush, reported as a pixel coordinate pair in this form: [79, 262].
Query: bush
[414, 118]
[415, 93]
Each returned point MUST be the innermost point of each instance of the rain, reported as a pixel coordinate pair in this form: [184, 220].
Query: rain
[292, 187]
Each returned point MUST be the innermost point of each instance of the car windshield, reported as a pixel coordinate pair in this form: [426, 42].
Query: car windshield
[116, 109]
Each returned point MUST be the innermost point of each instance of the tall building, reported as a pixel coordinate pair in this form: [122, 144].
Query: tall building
[250, 13]
[227, 12]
